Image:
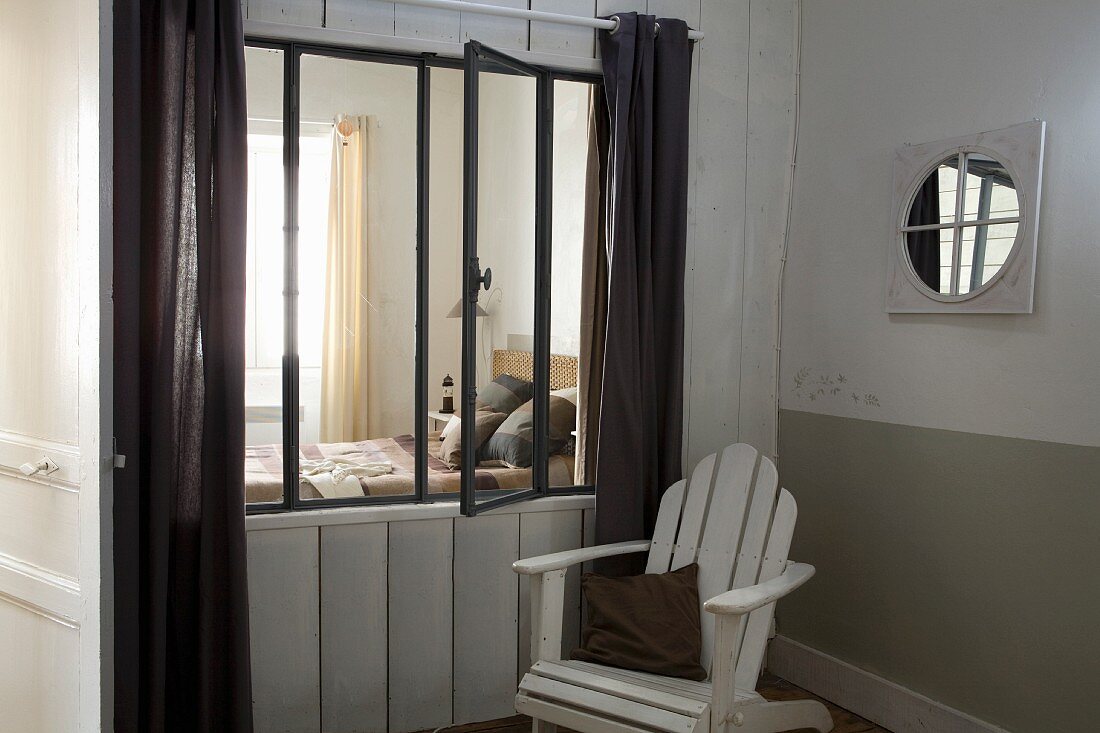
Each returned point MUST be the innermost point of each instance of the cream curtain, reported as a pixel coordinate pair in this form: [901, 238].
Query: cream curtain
[593, 295]
[346, 398]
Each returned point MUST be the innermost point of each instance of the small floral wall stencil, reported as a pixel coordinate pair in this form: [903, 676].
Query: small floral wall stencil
[812, 386]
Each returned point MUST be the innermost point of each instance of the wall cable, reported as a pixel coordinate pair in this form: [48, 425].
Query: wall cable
[797, 63]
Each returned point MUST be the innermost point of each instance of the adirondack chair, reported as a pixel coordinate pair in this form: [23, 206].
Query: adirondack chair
[731, 519]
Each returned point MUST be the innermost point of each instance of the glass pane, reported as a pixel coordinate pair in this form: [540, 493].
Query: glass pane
[983, 252]
[264, 307]
[356, 276]
[505, 326]
[934, 203]
[577, 251]
[444, 278]
[990, 192]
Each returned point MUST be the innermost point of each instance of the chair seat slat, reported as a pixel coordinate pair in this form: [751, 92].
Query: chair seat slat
[608, 704]
[595, 678]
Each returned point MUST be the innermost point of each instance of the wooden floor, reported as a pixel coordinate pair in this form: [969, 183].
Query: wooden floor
[771, 687]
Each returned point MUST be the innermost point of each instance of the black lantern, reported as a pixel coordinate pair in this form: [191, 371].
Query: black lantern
[448, 394]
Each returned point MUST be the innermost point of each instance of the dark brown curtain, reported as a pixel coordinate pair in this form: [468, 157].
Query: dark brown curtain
[924, 247]
[593, 328]
[646, 81]
[182, 651]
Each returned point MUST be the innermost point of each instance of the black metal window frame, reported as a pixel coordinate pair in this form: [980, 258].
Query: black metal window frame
[470, 502]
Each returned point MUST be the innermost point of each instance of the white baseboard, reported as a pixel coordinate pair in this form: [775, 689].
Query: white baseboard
[882, 702]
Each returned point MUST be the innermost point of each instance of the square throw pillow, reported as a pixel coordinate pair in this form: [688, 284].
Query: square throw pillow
[486, 423]
[513, 442]
[650, 623]
[504, 394]
[453, 425]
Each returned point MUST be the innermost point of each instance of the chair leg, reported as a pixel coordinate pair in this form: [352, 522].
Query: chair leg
[773, 717]
[541, 726]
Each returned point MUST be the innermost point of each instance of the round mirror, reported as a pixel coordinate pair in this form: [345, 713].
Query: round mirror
[962, 224]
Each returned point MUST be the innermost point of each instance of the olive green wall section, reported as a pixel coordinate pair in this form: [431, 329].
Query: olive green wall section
[964, 567]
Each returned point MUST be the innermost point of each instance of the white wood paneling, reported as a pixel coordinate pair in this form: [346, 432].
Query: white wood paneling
[39, 525]
[407, 512]
[716, 234]
[540, 534]
[498, 32]
[486, 598]
[426, 23]
[588, 518]
[421, 618]
[367, 16]
[687, 10]
[283, 594]
[16, 450]
[294, 12]
[39, 675]
[605, 8]
[354, 623]
[568, 40]
[46, 593]
[40, 208]
[768, 144]
[376, 614]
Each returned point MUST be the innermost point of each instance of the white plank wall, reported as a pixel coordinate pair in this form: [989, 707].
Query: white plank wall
[501, 33]
[486, 616]
[379, 626]
[426, 24]
[292, 12]
[429, 24]
[421, 651]
[566, 40]
[355, 629]
[541, 534]
[283, 589]
[365, 16]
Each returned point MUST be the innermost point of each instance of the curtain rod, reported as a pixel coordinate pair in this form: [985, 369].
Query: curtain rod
[609, 24]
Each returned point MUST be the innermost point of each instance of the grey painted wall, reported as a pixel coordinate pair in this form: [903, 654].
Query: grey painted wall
[961, 566]
[954, 563]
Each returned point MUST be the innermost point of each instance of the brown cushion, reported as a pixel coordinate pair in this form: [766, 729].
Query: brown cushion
[485, 424]
[512, 444]
[645, 622]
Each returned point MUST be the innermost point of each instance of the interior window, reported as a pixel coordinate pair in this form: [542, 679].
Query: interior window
[356, 273]
[355, 380]
[265, 308]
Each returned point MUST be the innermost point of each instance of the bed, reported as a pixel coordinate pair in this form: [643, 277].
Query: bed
[264, 463]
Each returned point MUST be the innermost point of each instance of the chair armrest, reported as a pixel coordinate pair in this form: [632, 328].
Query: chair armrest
[740, 601]
[560, 560]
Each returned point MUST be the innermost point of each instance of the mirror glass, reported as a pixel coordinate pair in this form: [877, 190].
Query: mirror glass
[962, 223]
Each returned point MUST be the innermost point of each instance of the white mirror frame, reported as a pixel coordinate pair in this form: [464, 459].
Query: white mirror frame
[1012, 289]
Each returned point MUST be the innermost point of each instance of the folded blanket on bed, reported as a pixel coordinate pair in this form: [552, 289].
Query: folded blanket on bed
[336, 477]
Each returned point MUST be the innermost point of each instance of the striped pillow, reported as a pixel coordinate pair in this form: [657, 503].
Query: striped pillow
[504, 394]
[513, 442]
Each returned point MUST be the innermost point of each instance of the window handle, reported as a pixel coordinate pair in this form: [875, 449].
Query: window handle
[484, 278]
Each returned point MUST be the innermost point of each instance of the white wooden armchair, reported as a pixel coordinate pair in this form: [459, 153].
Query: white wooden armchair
[733, 520]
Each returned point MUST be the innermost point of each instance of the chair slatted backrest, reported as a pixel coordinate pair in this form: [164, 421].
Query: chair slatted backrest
[732, 519]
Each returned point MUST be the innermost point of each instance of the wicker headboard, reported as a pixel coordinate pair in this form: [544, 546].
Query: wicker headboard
[521, 365]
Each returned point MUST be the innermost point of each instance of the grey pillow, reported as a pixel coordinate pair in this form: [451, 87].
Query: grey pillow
[504, 394]
[513, 442]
